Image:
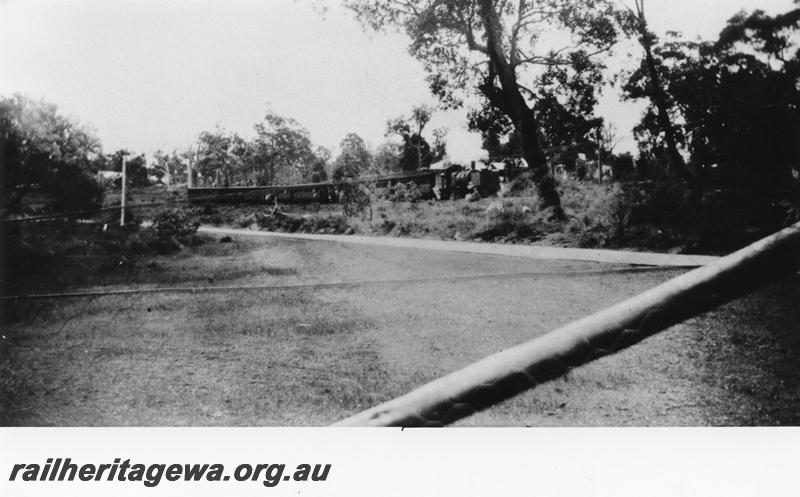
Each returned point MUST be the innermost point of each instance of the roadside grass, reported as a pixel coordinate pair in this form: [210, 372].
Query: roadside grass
[235, 355]
[236, 359]
[307, 356]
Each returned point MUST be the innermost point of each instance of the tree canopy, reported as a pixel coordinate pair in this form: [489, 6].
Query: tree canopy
[220, 155]
[280, 152]
[41, 148]
[510, 52]
[736, 100]
[416, 151]
[354, 158]
[171, 167]
[281, 147]
[136, 170]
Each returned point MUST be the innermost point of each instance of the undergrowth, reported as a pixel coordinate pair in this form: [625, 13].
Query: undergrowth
[61, 253]
[652, 215]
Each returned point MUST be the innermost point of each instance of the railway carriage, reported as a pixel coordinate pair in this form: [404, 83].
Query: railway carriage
[453, 182]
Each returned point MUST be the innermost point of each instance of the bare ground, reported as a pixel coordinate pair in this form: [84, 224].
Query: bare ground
[372, 323]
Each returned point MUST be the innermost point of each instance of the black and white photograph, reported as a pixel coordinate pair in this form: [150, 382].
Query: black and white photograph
[483, 213]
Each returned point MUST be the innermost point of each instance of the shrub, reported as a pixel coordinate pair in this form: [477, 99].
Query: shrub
[74, 190]
[208, 209]
[521, 186]
[132, 219]
[509, 222]
[406, 192]
[174, 223]
[327, 223]
[355, 199]
[660, 202]
[599, 214]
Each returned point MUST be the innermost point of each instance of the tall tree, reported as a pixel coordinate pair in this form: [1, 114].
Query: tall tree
[216, 157]
[171, 167]
[41, 148]
[494, 46]
[317, 170]
[500, 138]
[388, 158]
[135, 167]
[737, 98]
[416, 149]
[655, 91]
[354, 158]
[282, 146]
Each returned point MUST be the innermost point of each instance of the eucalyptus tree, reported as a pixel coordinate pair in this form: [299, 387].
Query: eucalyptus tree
[416, 149]
[735, 100]
[388, 158]
[509, 51]
[654, 88]
[217, 154]
[40, 148]
[281, 145]
[354, 158]
[171, 167]
[317, 170]
[136, 171]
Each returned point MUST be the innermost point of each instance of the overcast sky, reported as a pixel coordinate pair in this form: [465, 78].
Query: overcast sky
[150, 75]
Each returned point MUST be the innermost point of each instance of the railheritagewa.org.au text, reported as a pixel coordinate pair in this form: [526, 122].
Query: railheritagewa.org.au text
[59, 469]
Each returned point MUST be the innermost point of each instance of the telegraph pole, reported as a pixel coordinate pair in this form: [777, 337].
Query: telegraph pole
[122, 211]
[189, 166]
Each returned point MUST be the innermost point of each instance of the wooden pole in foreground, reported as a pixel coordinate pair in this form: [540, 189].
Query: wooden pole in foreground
[505, 374]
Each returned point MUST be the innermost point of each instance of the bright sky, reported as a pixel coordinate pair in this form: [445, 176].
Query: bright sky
[150, 75]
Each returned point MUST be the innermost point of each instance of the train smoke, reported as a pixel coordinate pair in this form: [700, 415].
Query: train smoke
[464, 147]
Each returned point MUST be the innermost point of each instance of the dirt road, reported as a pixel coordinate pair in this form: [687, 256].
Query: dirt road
[379, 322]
[530, 251]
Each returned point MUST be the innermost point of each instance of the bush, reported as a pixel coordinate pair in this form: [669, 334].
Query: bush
[406, 192]
[355, 199]
[510, 222]
[598, 213]
[521, 186]
[175, 224]
[132, 219]
[74, 190]
[660, 202]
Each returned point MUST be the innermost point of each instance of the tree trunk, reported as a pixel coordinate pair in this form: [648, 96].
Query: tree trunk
[272, 171]
[536, 158]
[510, 101]
[419, 150]
[676, 165]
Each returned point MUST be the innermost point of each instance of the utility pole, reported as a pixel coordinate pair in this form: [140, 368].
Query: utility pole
[189, 166]
[124, 180]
